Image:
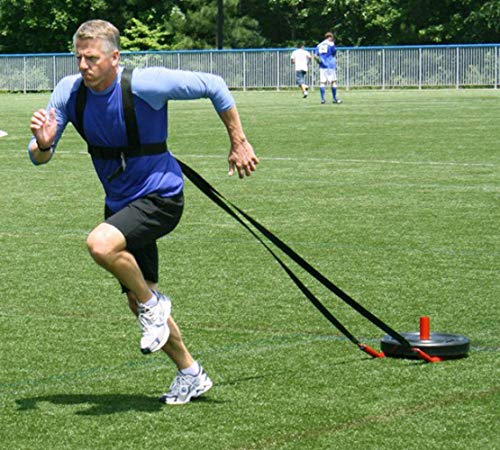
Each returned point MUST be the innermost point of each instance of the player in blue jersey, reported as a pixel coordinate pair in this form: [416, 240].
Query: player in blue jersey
[325, 53]
[122, 116]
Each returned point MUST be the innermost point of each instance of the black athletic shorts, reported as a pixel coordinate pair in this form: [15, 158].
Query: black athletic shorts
[144, 221]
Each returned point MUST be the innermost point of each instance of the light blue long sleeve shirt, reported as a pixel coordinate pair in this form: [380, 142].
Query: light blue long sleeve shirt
[104, 126]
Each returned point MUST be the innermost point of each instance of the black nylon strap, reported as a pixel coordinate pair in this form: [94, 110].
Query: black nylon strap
[129, 110]
[198, 181]
[81, 99]
[134, 148]
[225, 204]
[115, 152]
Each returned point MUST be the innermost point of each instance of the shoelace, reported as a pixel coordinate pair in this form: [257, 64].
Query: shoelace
[146, 316]
[179, 382]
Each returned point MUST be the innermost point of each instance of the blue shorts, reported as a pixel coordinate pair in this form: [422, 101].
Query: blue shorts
[300, 76]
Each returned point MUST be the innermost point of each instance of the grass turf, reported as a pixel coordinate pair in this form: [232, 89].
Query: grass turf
[392, 195]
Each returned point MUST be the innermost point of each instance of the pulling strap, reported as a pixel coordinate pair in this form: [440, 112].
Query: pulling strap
[134, 148]
[226, 205]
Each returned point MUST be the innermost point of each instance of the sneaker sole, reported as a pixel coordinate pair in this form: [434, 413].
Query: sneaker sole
[162, 342]
[148, 350]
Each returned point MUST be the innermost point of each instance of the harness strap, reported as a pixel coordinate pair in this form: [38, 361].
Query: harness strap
[225, 204]
[81, 99]
[129, 110]
[134, 147]
[116, 152]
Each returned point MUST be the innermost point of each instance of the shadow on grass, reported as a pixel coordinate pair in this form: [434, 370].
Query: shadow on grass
[105, 404]
[101, 404]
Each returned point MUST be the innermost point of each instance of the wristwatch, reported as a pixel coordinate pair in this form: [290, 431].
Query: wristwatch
[43, 149]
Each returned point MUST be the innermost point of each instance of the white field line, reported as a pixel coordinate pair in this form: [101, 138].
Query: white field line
[346, 161]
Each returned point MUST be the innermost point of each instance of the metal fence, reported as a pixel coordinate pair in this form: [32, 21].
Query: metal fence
[358, 67]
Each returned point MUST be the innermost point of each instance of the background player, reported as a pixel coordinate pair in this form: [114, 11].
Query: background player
[325, 53]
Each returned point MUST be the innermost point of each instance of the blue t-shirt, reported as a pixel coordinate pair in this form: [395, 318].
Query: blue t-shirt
[104, 126]
[326, 52]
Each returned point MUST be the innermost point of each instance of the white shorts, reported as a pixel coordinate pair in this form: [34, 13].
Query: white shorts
[327, 75]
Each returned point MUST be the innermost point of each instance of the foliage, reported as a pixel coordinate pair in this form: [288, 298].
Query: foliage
[192, 25]
[397, 22]
[43, 26]
[140, 36]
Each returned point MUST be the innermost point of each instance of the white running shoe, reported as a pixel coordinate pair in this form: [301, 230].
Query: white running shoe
[153, 323]
[186, 387]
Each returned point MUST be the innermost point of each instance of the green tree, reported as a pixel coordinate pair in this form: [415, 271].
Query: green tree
[27, 26]
[139, 36]
[396, 22]
[376, 22]
[287, 22]
[193, 26]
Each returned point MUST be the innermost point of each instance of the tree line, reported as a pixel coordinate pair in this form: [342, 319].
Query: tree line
[28, 26]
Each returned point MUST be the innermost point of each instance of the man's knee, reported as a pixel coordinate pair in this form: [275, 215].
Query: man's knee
[103, 242]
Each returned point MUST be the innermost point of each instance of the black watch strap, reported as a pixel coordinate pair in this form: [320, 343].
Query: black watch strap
[43, 149]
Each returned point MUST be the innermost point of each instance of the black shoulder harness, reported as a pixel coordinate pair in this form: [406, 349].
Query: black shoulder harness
[134, 147]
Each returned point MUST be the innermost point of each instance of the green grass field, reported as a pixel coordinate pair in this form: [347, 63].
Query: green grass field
[393, 195]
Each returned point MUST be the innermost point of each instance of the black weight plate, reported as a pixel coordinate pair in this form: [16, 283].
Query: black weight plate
[440, 344]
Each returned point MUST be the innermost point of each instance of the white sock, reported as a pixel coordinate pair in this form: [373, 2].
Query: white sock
[193, 369]
[152, 301]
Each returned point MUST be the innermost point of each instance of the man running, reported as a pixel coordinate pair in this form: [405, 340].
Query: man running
[122, 116]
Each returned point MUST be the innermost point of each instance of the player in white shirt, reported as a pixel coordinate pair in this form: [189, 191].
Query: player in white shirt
[301, 57]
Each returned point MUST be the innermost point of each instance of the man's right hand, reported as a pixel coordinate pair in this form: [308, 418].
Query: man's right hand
[44, 127]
